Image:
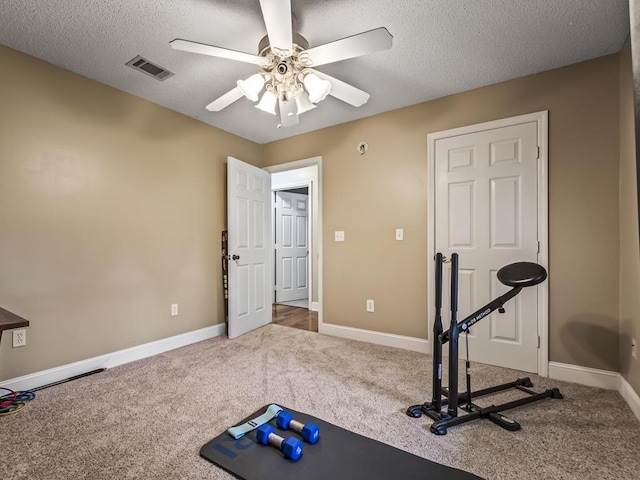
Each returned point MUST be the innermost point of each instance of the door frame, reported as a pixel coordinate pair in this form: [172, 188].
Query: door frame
[317, 213]
[542, 120]
[310, 217]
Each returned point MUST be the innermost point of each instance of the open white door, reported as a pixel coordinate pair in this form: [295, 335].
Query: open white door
[249, 246]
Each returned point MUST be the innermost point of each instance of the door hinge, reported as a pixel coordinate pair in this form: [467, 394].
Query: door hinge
[538, 247]
[537, 153]
[538, 341]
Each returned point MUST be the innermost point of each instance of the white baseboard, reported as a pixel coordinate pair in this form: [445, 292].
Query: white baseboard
[379, 338]
[631, 397]
[113, 359]
[314, 306]
[584, 375]
[597, 378]
[559, 371]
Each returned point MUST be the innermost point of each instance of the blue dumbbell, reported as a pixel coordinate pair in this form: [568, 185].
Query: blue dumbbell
[291, 447]
[309, 431]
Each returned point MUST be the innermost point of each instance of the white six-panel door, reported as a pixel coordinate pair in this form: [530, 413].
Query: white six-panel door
[292, 246]
[486, 211]
[249, 246]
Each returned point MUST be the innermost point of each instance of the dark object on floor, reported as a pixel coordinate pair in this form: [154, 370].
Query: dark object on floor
[338, 455]
[70, 379]
[517, 276]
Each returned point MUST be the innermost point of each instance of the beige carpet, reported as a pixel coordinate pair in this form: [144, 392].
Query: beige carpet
[148, 419]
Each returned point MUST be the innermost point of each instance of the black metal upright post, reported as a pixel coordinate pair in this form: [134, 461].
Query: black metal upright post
[452, 404]
[468, 372]
[436, 398]
[516, 275]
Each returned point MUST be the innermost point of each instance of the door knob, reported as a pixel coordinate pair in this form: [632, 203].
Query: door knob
[235, 257]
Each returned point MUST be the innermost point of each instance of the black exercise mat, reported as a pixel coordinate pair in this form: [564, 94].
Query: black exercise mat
[339, 454]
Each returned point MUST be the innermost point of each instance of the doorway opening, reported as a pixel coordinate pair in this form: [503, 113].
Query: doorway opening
[297, 244]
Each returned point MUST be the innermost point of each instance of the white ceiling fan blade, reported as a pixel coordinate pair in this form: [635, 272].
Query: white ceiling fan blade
[277, 19]
[195, 47]
[288, 116]
[225, 100]
[350, 47]
[343, 91]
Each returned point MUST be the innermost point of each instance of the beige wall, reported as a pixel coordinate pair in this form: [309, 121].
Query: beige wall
[629, 246]
[369, 196]
[111, 209]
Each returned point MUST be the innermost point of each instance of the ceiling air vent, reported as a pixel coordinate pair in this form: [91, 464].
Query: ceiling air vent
[148, 68]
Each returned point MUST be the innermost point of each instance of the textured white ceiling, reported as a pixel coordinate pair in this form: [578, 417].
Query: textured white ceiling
[440, 47]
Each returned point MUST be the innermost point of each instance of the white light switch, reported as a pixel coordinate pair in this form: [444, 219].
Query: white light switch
[399, 234]
[339, 236]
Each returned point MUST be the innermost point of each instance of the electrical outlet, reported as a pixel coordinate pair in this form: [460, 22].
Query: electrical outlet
[370, 306]
[174, 309]
[19, 338]
[339, 236]
[634, 348]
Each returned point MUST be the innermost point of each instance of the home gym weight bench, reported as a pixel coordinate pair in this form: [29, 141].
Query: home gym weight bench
[516, 275]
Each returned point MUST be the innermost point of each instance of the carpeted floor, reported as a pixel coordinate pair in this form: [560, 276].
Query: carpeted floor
[148, 419]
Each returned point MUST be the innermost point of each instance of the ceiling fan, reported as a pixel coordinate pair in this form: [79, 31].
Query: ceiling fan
[289, 78]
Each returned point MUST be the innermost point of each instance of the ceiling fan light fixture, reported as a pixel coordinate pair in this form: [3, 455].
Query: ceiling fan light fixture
[303, 103]
[318, 89]
[286, 61]
[252, 86]
[268, 102]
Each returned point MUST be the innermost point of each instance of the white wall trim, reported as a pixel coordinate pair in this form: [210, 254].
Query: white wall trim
[631, 397]
[283, 167]
[541, 118]
[597, 378]
[543, 238]
[378, 338]
[558, 371]
[314, 306]
[113, 359]
[584, 375]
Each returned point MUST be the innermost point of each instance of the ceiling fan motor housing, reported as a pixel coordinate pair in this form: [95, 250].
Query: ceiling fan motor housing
[299, 41]
[282, 68]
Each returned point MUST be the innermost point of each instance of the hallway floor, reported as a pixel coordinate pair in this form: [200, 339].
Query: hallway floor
[295, 317]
